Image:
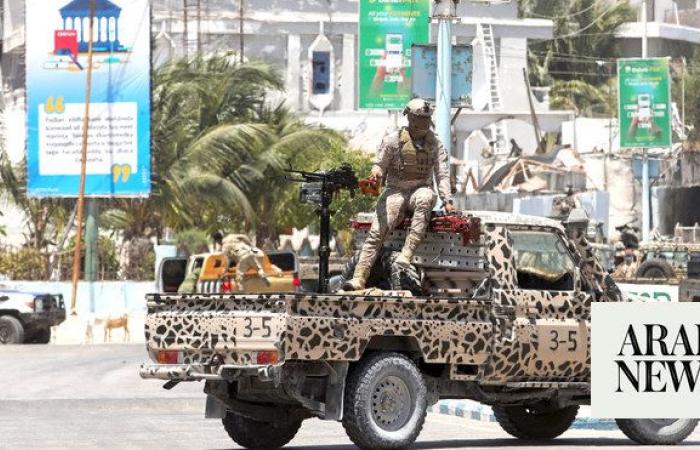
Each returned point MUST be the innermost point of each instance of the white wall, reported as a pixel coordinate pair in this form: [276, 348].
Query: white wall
[585, 134]
[102, 297]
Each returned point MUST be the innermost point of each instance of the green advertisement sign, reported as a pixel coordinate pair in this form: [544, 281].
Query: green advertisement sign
[388, 28]
[644, 102]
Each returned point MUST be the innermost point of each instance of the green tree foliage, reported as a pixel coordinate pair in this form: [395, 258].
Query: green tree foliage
[24, 263]
[45, 217]
[291, 213]
[192, 241]
[578, 62]
[220, 151]
[584, 98]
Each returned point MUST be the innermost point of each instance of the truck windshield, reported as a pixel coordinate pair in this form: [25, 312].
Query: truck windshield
[542, 261]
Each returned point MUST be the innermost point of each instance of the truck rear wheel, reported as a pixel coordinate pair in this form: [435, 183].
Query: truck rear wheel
[258, 435]
[657, 431]
[655, 268]
[534, 423]
[11, 330]
[385, 402]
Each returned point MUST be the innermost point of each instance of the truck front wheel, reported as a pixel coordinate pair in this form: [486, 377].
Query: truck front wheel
[385, 402]
[11, 330]
[657, 431]
[533, 423]
[257, 435]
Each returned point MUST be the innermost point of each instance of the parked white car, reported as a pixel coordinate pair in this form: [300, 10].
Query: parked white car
[27, 317]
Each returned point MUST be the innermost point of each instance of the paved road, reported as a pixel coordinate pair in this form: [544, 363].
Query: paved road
[71, 397]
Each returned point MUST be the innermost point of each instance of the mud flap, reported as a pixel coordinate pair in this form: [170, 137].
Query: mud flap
[215, 408]
[335, 393]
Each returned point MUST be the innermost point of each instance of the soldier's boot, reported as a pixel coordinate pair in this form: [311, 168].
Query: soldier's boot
[409, 249]
[358, 280]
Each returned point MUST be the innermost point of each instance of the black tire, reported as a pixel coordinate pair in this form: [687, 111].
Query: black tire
[533, 424]
[42, 336]
[256, 435]
[379, 276]
[655, 268]
[376, 389]
[404, 279]
[11, 330]
[657, 431]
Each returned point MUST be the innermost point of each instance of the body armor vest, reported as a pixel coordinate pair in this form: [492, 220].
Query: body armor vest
[415, 162]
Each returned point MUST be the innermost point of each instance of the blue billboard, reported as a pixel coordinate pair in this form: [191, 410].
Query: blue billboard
[118, 151]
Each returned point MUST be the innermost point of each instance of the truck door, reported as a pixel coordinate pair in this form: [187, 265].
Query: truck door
[545, 333]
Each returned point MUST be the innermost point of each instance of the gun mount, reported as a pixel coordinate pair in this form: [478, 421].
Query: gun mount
[318, 188]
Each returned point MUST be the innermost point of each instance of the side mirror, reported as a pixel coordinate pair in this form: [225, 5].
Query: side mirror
[4, 298]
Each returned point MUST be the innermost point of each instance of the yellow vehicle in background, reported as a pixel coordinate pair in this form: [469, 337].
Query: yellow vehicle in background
[216, 273]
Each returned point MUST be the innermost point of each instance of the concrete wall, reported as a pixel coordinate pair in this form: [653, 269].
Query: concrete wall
[102, 298]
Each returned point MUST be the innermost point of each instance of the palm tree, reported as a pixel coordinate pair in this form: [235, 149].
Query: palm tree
[45, 218]
[219, 150]
[191, 100]
[584, 37]
[583, 97]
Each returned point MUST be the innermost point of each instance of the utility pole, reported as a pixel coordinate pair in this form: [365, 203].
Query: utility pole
[240, 27]
[91, 237]
[185, 32]
[444, 13]
[646, 212]
[83, 165]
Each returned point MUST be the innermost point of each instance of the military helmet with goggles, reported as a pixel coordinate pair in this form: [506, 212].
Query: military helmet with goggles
[418, 107]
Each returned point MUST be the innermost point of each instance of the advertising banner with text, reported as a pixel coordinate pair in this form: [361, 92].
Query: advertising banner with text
[388, 29]
[118, 151]
[644, 102]
[645, 360]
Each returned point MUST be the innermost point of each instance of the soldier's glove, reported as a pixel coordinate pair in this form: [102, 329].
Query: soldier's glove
[375, 174]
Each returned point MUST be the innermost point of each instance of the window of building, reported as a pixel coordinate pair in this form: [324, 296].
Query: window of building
[542, 261]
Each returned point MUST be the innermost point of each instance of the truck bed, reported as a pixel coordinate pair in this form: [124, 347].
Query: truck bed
[217, 330]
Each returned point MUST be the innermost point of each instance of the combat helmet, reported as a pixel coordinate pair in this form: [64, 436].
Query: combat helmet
[418, 107]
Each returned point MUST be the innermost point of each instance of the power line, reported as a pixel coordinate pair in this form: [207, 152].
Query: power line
[565, 72]
[593, 22]
[574, 14]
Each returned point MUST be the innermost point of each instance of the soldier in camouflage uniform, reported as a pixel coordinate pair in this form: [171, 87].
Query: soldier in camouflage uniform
[407, 160]
[239, 248]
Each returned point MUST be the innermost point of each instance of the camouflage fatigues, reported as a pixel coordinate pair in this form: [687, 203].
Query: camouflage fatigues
[408, 167]
[189, 284]
[246, 256]
[626, 271]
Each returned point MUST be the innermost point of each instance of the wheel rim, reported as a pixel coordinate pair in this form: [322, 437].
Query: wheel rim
[4, 334]
[662, 422]
[391, 403]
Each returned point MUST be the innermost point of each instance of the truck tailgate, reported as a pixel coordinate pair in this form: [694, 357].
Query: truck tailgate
[215, 329]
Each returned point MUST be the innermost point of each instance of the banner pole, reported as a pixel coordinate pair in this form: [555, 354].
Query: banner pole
[83, 165]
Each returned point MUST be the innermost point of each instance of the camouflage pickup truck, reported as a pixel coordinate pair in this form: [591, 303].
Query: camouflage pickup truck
[496, 308]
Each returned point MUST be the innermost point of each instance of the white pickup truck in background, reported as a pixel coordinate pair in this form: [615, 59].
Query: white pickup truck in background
[27, 317]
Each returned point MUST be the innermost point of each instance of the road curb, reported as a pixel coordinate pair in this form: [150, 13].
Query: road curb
[476, 411]
[58, 406]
